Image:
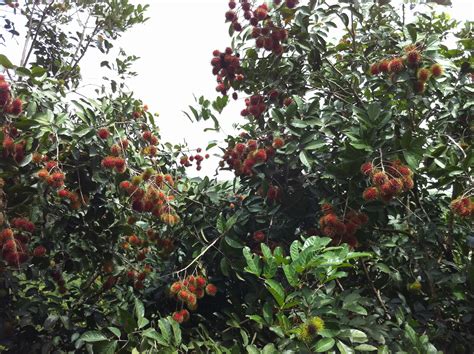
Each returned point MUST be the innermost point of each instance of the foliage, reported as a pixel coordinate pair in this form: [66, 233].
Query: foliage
[345, 229]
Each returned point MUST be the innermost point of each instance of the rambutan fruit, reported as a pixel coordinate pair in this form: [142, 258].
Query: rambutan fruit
[367, 168]
[115, 150]
[259, 236]
[413, 57]
[423, 74]
[37, 157]
[260, 155]
[374, 69]
[379, 178]
[383, 66]
[230, 16]
[109, 161]
[291, 3]
[211, 289]
[134, 240]
[43, 173]
[327, 208]
[437, 70]
[201, 281]
[278, 143]
[178, 317]
[287, 101]
[252, 145]
[146, 135]
[39, 251]
[6, 235]
[136, 180]
[103, 133]
[408, 183]
[260, 13]
[370, 193]
[185, 314]
[17, 106]
[50, 165]
[396, 65]
[176, 287]
[63, 193]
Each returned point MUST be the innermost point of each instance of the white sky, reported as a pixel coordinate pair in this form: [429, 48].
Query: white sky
[175, 48]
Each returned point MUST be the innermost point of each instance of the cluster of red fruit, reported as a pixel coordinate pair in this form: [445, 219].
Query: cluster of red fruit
[152, 140]
[226, 67]
[10, 148]
[463, 207]
[114, 160]
[14, 240]
[411, 59]
[255, 106]
[260, 13]
[9, 105]
[387, 180]
[55, 179]
[139, 111]
[52, 174]
[138, 278]
[186, 160]
[341, 230]
[269, 37]
[244, 156]
[189, 290]
[153, 197]
[273, 193]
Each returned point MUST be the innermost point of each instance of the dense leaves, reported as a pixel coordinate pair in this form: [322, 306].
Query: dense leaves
[347, 225]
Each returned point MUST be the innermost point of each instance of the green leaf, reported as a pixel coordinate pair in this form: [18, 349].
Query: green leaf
[153, 334]
[5, 62]
[165, 329]
[323, 345]
[109, 347]
[366, 348]
[373, 111]
[139, 309]
[253, 262]
[355, 335]
[305, 159]
[115, 331]
[290, 274]
[93, 336]
[176, 332]
[276, 290]
[343, 348]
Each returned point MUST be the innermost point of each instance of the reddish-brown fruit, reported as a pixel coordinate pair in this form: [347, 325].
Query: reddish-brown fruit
[370, 193]
[258, 236]
[366, 168]
[413, 57]
[178, 317]
[383, 66]
[395, 66]
[436, 70]
[103, 133]
[134, 240]
[423, 74]
[211, 289]
[260, 155]
[374, 69]
[278, 143]
[379, 178]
